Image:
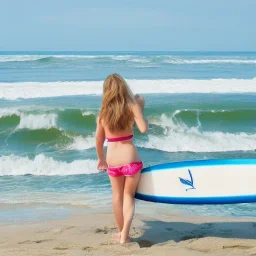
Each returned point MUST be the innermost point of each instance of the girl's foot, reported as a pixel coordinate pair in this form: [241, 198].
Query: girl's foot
[116, 236]
[127, 240]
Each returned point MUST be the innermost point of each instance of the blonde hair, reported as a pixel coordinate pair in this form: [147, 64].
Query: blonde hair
[116, 111]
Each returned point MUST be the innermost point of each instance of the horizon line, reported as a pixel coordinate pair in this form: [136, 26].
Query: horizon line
[235, 51]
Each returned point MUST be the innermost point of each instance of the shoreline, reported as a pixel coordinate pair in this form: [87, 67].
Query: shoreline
[89, 233]
[62, 211]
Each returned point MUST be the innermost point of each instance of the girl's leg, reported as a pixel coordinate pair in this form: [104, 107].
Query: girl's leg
[117, 184]
[130, 186]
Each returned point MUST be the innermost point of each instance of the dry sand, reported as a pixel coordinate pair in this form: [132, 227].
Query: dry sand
[90, 234]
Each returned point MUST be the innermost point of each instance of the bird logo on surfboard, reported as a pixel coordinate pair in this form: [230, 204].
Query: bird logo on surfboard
[189, 183]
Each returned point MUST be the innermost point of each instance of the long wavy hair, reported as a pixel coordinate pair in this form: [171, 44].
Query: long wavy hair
[116, 112]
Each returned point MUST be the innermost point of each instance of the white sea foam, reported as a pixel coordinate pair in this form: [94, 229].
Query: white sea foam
[81, 143]
[195, 141]
[120, 57]
[88, 113]
[39, 121]
[210, 61]
[9, 112]
[19, 110]
[139, 60]
[178, 137]
[26, 90]
[42, 165]
[131, 58]
[21, 58]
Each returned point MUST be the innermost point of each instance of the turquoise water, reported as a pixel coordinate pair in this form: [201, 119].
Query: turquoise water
[199, 106]
[95, 66]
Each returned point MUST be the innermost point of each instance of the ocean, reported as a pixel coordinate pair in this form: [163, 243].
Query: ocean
[200, 105]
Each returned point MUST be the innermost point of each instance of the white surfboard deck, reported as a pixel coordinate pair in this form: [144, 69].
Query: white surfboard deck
[199, 182]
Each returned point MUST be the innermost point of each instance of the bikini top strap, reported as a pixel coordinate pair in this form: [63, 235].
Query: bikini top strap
[120, 138]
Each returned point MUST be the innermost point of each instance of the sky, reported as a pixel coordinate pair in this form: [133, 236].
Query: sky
[130, 25]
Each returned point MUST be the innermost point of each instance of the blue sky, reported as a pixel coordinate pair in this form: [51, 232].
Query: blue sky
[116, 25]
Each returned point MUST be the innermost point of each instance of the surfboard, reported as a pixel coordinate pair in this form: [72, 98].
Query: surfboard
[220, 181]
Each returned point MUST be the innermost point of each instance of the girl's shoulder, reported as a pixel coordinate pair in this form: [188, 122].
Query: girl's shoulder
[100, 121]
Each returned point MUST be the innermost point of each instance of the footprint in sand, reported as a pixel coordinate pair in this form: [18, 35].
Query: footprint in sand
[105, 230]
[35, 241]
[110, 243]
[237, 246]
[60, 248]
[87, 248]
[63, 246]
[62, 229]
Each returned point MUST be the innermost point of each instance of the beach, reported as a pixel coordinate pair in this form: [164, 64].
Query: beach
[152, 234]
[54, 201]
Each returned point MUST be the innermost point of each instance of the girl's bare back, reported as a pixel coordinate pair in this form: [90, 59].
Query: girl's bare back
[124, 152]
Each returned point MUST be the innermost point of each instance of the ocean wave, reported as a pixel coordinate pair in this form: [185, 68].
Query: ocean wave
[29, 58]
[4, 112]
[81, 143]
[72, 129]
[20, 58]
[33, 58]
[42, 165]
[196, 141]
[36, 122]
[54, 138]
[120, 57]
[167, 135]
[210, 61]
[17, 111]
[194, 130]
[74, 120]
[12, 91]
[89, 113]
[44, 118]
[26, 58]
[156, 59]
[85, 119]
[177, 137]
[32, 118]
[139, 60]
[216, 117]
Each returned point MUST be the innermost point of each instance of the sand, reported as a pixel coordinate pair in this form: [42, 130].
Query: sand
[90, 234]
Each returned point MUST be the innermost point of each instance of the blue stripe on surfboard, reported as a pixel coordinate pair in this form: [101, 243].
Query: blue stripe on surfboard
[210, 162]
[198, 200]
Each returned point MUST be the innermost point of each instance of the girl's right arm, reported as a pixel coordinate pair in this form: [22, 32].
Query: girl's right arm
[100, 138]
[138, 114]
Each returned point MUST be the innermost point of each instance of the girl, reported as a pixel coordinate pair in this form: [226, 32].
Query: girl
[120, 109]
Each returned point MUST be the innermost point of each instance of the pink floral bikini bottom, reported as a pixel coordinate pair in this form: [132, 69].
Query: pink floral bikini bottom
[126, 170]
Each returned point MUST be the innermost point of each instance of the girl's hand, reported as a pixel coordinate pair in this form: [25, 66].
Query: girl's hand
[102, 165]
[140, 100]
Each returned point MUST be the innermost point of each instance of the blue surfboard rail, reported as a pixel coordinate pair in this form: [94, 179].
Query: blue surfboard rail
[193, 163]
[197, 200]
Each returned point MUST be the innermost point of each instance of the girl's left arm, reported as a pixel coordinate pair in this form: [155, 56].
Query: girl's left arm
[100, 138]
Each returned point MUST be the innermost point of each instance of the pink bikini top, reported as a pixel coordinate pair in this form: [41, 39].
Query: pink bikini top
[120, 138]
